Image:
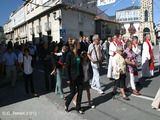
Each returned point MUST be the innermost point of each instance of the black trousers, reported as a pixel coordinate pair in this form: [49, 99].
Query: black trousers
[47, 72]
[73, 90]
[29, 79]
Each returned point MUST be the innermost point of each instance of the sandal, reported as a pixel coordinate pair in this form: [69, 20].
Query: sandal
[34, 95]
[80, 111]
[136, 92]
[66, 108]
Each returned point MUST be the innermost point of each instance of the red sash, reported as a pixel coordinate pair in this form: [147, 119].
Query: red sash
[133, 44]
[114, 45]
[151, 64]
[119, 42]
[61, 63]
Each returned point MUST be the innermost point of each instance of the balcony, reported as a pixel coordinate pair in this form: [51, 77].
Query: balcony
[38, 29]
[47, 26]
[32, 31]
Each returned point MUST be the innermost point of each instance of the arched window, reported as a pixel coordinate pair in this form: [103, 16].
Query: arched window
[146, 15]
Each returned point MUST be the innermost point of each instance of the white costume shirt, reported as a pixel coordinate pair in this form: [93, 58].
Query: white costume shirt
[145, 52]
[136, 50]
[112, 48]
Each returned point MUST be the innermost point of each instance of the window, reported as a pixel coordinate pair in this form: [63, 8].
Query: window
[28, 9]
[146, 15]
[131, 24]
[37, 3]
[80, 17]
[45, 1]
[32, 5]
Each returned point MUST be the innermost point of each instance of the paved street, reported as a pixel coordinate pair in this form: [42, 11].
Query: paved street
[14, 105]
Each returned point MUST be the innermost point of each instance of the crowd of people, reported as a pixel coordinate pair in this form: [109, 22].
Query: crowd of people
[75, 60]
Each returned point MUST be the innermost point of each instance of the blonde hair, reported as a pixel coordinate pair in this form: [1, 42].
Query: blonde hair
[72, 43]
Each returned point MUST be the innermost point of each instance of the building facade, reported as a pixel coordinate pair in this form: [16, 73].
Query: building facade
[130, 19]
[157, 29]
[2, 36]
[107, 28]
[43, 20]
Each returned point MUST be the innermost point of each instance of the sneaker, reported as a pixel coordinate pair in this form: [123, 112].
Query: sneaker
[93, 87]
[100, 92]
[92, 106]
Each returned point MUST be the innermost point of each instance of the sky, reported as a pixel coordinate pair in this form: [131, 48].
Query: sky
[7, 6]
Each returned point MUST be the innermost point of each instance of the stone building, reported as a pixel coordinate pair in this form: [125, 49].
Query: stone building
[106, 27]
[157, 29]
[147, 26]
[2, 36]
[45, 20]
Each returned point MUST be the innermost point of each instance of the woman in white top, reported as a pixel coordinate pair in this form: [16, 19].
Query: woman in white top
[27, 70]
[119, 72]
[86, 83]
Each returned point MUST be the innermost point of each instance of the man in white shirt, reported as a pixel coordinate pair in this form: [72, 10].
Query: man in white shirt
[94, 54]
[147, 58]
[112, 53]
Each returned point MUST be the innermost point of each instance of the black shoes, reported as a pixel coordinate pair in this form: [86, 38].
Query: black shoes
[126, 98]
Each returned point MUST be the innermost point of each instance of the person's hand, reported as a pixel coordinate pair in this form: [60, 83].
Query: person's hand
[94, 61]
[121, 72]
[53, 72]
[47, 58]
[128, 60]
[68, 82]
[63, 67]
[133, 63]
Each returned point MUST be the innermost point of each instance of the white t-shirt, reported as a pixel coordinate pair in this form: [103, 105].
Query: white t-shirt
[85, 70]
[27, 65]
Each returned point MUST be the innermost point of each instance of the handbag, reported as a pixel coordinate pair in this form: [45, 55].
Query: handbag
[99, 62]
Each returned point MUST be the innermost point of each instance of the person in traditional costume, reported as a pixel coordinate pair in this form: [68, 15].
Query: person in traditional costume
[147, 58]
[120, 41]
[112, 53]
[137, 51]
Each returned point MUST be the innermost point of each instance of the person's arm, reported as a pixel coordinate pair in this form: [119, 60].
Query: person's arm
[3, 63]
[67, 68]
[3, 66]
[129, 62]
[58, 54]
[16, 60]
[90, 49]
[20, 67]
[88, 75]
